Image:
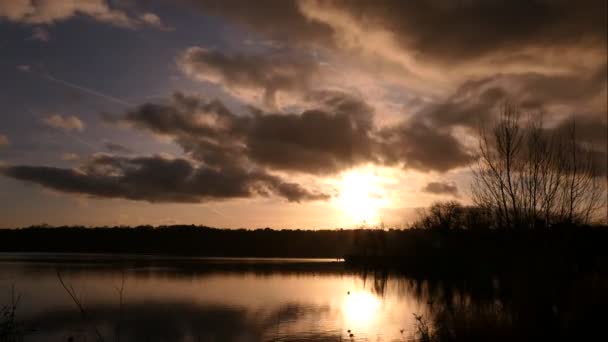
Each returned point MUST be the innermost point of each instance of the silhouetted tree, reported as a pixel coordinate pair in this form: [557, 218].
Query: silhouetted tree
[451, 215]
[443, 216]
[530, 177]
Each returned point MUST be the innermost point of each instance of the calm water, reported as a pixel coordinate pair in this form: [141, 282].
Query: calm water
[198, 299]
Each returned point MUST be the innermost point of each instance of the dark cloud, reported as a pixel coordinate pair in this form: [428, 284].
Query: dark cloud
[423, 147]
[590, 130]
[486, 35]
[336, 135]
[562, 88]
[590, 136]
[477, 101]
[157, 179]
[263, 74]
[441, 188]
[530, 37]
[206, 130]
[452, 31]
[441, 31]
[555, 98]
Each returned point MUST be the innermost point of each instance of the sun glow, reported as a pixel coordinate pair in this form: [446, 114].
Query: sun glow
[360, 308]
[361, 197]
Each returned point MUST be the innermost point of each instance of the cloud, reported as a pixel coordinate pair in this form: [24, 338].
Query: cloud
[40, 34]
[266, 75]
[590, 138]
[240, 155]
[3, 140]
[153, 20]
[335, 134]
[66, 123]
[116, 148]
[158, 179]
[24, 68]
[36, 12]
[478, 101]
[463, 59]
[431, 44]
[442, 40]
[333, 137]
[423, 147]
[589, 130]
[441, 188]
[437, 29]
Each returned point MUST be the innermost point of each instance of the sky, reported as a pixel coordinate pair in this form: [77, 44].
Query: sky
[283, 114]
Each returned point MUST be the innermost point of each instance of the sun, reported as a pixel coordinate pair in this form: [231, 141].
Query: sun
[361, 197]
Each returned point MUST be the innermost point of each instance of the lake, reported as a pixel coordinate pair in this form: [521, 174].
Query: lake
[205, 299]
[96, 297]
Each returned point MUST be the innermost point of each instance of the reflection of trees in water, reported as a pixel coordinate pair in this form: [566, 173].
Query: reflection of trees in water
[517, 307]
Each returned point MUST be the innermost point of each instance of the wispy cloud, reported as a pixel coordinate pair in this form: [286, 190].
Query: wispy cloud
[67, 123]
[153, 20]
[36, 12]
[244, 75]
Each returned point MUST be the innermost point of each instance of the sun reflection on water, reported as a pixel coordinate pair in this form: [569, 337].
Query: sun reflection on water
[360, 308]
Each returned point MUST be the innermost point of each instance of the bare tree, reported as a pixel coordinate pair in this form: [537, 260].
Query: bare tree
[581, 191]
[448, 215]
[531, 177]
[494, 182]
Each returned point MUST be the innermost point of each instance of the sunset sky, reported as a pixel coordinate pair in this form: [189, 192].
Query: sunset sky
[283, 114]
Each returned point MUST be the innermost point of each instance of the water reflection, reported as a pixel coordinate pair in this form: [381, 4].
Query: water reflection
[360, 308]
[295, 300]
